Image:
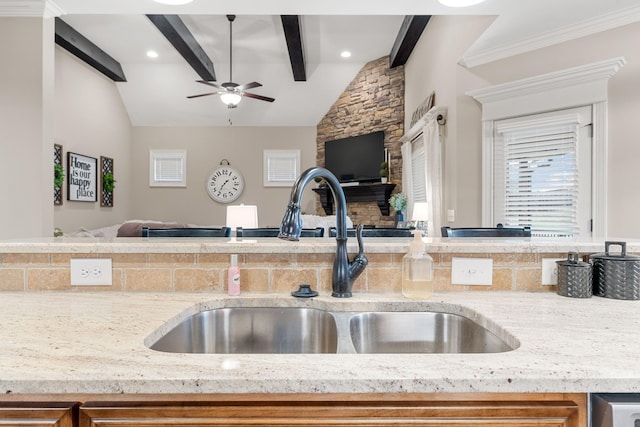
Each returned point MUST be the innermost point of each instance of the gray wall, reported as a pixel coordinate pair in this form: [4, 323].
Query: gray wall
[26, 127]
[90, 119]
[206, 147]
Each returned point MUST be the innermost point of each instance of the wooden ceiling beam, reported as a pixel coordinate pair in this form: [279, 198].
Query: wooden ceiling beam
[291, 27]
[68, 38]
[172, 27]
[409, 34]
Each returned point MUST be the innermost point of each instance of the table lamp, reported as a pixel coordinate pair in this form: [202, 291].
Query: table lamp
[245, 216]
[420, 216]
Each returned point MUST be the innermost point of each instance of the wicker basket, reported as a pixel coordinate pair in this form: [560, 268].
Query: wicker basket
[616, 276]
[574, 277]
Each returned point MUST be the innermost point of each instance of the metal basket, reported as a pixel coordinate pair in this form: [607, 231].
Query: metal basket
[574, 277]
[616, 276]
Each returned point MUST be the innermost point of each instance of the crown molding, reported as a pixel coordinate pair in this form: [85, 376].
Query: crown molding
[30, 8]
[570, 77]
[583, 85]
[580, 29]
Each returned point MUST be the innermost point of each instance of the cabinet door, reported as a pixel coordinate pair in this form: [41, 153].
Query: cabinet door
[18, 414]
[325, 413]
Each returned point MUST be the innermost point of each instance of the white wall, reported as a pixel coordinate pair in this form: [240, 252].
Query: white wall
[206, 147]
[26, 127]
[433, 67]
[90, 119]
[464, 131]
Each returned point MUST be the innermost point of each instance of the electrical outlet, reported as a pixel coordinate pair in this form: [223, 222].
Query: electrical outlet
[471, 271]
[550, 270]
[451, 215]
[90, 271]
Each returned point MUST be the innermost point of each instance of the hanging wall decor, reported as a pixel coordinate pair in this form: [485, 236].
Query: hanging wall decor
[58, 174]
[82, 178]
[107, 182]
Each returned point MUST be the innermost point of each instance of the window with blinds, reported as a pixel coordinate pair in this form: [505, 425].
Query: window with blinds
[418, 174]
[281, 167]
[167, 168]
[537, 180]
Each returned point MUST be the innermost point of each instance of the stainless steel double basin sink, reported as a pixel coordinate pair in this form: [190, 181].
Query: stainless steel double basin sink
[273, 330]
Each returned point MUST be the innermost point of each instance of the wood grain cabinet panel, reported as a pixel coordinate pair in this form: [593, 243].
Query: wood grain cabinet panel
[316, 412]
[36, 414]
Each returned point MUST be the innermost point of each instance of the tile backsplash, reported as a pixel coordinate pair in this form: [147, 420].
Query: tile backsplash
[259, 272]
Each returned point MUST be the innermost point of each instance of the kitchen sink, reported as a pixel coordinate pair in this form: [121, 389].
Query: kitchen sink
[253, 330]
[421, 332]
[288, 330]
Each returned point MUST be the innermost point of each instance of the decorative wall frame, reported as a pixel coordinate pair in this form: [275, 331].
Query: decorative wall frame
[82, 178]
[106, 194]
[57, 163]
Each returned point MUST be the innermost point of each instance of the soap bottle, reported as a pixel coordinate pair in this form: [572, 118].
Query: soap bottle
[417, 270]
[233, 277]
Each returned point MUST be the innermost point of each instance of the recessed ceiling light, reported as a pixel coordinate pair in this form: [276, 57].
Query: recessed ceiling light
[152, 54]
[459, 3]
[173, 2]
[345, 54]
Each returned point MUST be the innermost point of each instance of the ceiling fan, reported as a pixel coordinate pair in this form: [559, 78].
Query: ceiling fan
[232, 93]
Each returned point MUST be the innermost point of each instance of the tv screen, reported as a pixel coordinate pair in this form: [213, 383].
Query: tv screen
[356, 158]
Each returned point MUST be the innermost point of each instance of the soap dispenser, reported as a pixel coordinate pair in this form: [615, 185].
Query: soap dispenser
[417, 270]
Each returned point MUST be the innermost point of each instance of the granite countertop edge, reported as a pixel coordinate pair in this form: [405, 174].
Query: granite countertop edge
[307, 245]
[94, 342]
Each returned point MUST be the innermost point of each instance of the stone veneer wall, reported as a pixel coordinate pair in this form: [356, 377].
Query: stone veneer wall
[373, 101]
[200, 272]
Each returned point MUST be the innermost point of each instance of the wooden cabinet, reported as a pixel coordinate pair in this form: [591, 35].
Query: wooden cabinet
[414, 410]
[40, 414]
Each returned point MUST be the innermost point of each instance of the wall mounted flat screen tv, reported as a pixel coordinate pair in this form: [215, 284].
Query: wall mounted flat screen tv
[357, 158]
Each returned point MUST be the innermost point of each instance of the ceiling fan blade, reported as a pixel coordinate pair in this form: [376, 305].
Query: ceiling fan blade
[204, 82]
[202, 94]
[248, 86]
[260, 97]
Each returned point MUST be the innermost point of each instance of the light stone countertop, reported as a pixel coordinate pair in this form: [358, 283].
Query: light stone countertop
[306, 245]
[85, 342]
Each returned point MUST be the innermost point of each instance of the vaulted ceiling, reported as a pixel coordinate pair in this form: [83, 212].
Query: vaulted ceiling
[156, 89]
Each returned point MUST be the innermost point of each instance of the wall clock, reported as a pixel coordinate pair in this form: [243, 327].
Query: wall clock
[225, 184]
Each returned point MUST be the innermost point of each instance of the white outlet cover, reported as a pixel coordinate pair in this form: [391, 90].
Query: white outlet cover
[471, 271]
[91, 271]
[550, 270]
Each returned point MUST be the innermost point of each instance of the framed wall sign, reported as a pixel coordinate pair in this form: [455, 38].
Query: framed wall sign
[82, 178]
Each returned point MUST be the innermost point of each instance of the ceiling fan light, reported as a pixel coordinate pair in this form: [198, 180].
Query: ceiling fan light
[459, 3]
[230, 99]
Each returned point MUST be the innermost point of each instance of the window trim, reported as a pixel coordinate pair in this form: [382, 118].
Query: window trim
[271, 155]
[156, 156]
[578, 86]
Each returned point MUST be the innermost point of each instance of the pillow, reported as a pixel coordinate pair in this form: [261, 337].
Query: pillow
[134, 229]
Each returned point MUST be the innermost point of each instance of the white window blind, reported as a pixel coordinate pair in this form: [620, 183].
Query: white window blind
[418, 171]
[281, 167]
[167, 168]
[536, 174]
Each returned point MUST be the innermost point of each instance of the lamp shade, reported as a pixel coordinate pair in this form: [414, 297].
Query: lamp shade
[245, 216]
[230, 98]
[420, 211]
